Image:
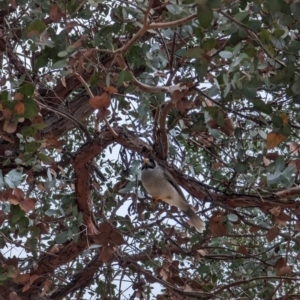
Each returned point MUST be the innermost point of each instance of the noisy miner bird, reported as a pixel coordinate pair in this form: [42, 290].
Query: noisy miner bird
[161, 185]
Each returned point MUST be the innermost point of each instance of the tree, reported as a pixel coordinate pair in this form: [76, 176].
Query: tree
[209, 89]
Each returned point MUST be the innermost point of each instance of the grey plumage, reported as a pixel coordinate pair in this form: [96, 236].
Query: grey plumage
[160, 184]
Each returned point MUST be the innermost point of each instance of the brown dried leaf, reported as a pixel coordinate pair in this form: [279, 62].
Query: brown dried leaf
[44, 228]
[27, 204]
[275, 211]
[279, 221]
[202, 252]
[254, 229]
[18, 97]
[266, 161]
[110, 90]
[6, 138]
[70, 25]
[228, 127]
[46, 288]
[213, 124]
[294, 148]
[13, 199]
[216, 225]
[55, 13]
[21, 278]
[106, 253]
[295, 162]
[103, 238]
[285, 270]
[105, 227]
[102, 114]
[41, 186]
[19, 193]
[26, 287]
[7, 113]
[10, 127]
[100, 102]
[297, 226]
[33, 278]
[216, 165]
[2, 217]
[176, 96]
[184, 104]
[117, 238]
[274, 139]
[243, 250]
[13, 296]
[272, 155]
[272, 234]
[163, 274]
[281, 267]
[19, 108]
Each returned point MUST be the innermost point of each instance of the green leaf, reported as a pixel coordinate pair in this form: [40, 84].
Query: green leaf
[37, 25]
[196, 52]
[205, 15]
[62, 237]
[31, 109]
[62, 54]
[27, 131]
[277, 121]
[225, 54]
[123, 77]
[32, 146]
[241, 167]
[27, 89]
[232, 218]
[208, 44]
[60, 64]
[280, 163]
[45, 158]
[215, 3]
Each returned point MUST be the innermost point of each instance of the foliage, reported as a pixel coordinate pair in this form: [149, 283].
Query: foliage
[210, 89]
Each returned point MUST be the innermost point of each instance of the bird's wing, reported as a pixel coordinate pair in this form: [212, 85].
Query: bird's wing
[173, 182]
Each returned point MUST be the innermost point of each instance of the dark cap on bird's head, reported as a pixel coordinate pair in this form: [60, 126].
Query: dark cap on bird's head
[148, 163]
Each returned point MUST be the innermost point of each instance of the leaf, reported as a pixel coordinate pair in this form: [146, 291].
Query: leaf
[27, 204]
[117, 238]
[205, 15]
[19, 108]
[27, 89]
[14, 296]
[294, 148]
[7, 114]
[60, 64]
[110, 90]
[106, 253]
[124, 76]
[243, 250]
[62, 237]
[281, 267]
[55, 13]
[232, 218]
[47, 285]
[10, 127]
[272, 234]
[100, 102]
[275, 211]
[31, 109]
[22, 278]
[274, 139]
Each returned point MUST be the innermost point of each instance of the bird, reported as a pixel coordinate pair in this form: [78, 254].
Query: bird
[161, 185]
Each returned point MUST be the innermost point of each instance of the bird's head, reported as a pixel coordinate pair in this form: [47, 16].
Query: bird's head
[148, 163]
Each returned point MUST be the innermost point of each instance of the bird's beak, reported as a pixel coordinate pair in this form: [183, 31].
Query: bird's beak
[146, 161]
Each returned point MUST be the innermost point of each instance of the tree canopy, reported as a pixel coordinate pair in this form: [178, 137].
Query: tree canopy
[209, 89]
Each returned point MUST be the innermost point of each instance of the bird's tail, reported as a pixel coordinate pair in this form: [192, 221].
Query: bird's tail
[195, 220]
